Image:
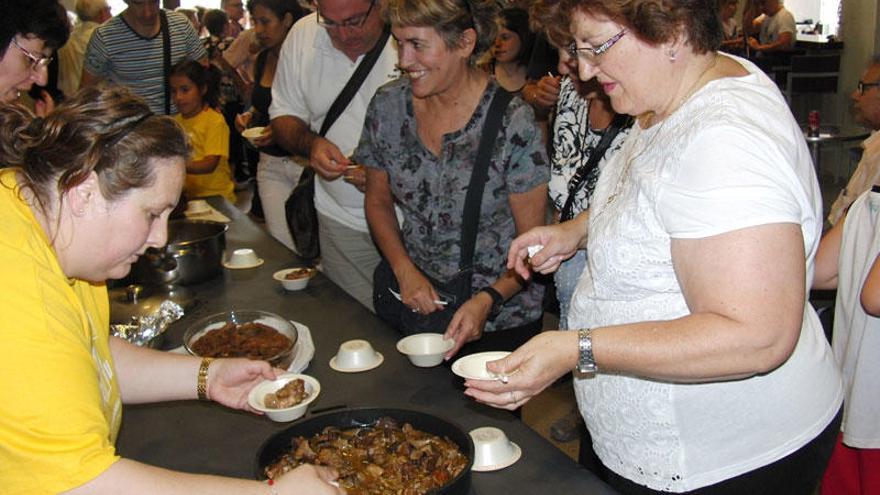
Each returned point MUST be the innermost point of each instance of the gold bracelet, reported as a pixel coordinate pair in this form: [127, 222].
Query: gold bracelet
[202, 384]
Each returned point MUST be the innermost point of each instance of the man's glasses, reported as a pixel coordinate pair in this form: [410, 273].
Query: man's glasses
[589, 54]
[352, 22]
[37, 63]
[863, 86]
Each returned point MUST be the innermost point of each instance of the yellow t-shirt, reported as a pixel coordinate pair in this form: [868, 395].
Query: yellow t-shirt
[209, 135]
[60, 406]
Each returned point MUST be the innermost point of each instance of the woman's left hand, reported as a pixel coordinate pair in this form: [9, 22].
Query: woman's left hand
[467, 324]
[356, 175]
[529, 370]
[230, 381]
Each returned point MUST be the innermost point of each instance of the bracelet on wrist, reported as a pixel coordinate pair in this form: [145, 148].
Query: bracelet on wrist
[202, 383]
[271, 484]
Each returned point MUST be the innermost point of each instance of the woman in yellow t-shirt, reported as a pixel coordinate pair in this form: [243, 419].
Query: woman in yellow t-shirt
[96, 181]
[194, 91]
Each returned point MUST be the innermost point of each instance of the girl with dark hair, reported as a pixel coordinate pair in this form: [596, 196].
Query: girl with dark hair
[86, 191]
[512, 49]
[194, 91]
[30, 32]
[277, 172]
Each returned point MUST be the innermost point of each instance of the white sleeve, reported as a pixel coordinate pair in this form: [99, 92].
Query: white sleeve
[288, 97]
[728, 179]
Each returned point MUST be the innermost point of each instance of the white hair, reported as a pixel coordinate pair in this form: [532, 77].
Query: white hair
[90, 10]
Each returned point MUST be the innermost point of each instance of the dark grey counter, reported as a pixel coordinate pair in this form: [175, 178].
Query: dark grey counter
[208, 438]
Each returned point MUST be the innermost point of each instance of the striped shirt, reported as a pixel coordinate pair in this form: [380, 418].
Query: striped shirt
[120, 55]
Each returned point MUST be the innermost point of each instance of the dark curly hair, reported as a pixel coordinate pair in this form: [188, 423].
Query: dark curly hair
[517, 20]
[43, 19]
[103, 129]
[450, 18]
[660, 21]
[279, 8]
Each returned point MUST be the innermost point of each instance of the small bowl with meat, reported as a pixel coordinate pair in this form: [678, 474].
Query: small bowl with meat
[295, 278]
[247, 334]
[285, 398]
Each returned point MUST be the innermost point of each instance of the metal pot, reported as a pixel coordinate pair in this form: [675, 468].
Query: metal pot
[279, 443]
[194, 254]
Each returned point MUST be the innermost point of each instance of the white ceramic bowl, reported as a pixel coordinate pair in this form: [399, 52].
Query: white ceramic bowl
[252, 133]
[356, 355]
[425, 349]
[492, 449]
[258, 393]
[474, 365]
[303, 275]
[243, 257]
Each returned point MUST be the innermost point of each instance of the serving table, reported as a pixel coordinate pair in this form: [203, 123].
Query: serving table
[203, 437]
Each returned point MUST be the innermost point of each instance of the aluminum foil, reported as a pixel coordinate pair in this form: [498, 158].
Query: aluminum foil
[142, 330]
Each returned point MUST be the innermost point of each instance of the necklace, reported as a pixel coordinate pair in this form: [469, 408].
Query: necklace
[649, 118]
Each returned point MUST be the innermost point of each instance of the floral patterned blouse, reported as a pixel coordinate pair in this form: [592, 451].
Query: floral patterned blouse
[430, 190]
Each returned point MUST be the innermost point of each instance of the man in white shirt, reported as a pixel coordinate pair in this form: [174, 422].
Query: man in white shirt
[866, 109]
[318, 57]
[90, 14]
[776, 28]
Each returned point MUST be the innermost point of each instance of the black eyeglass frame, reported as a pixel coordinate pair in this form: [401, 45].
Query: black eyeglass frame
[348, 23]
[590, 54]
[863, 85]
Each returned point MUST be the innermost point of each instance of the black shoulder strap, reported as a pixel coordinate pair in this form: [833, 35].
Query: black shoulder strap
[619, 123]
[166, 58]
[474, 198]
[355, 81]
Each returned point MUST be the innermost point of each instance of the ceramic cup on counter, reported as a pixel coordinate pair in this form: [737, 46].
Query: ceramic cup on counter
[243, 258]
[356, 355]
[492, 449]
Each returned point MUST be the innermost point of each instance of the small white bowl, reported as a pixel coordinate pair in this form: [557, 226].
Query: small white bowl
[298, 283]
[356, 355]
[258, 393]
[492, 449]
[197, 207]
[243, 258]
[474, 366]
[425, 349]
[252, 133]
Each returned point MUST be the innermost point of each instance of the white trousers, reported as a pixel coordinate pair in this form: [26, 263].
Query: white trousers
[276, 178]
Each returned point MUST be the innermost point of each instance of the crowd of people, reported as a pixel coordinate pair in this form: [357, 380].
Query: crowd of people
[663, 185]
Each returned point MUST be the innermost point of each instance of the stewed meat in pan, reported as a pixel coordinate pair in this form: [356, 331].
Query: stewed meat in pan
[378, 459]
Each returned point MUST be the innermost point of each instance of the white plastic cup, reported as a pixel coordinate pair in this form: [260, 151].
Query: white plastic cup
[355, 354]
[243, 257]
[425, 349]
[492, 448]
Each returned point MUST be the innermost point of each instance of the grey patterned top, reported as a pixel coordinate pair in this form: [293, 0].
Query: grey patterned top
[430, 190]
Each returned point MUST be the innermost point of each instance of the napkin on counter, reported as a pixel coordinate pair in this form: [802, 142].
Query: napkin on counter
[211, 215]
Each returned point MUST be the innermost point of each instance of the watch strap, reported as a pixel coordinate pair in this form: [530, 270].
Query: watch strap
[586, 363]
[497, 299]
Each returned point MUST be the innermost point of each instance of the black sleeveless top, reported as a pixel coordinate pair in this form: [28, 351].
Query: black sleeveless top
[261, 98]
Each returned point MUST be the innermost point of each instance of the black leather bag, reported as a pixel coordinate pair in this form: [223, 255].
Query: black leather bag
[458, 289]
[299, 208]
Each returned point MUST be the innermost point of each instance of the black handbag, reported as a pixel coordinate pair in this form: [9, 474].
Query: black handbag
[299, 208]
[458, 289]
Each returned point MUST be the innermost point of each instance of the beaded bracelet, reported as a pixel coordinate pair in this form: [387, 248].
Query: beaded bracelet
[202, 383]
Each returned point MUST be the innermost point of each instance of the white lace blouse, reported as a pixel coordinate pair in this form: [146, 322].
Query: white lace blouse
[731, 157]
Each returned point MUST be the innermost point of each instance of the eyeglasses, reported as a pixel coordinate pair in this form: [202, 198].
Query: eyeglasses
[863, 86]
[350, 23]
[589, 54]
[37, 63]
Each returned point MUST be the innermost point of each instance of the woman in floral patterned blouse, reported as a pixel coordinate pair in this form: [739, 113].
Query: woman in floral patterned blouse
[419, 144]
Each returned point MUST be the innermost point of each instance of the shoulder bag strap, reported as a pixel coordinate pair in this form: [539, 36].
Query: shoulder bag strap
[620, 122]
[474, 198]
[166, 58]
[355, 81]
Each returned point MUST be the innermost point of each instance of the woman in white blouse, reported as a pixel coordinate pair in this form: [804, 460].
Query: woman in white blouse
[701, 364]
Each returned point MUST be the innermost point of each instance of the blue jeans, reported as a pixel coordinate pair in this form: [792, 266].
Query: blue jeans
[566, 278]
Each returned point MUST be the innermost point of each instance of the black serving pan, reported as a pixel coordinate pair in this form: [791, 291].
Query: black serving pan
[279, 443]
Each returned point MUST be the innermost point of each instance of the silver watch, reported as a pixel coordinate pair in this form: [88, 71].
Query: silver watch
[586, 362]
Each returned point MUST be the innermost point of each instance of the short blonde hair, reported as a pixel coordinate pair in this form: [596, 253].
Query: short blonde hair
[450, 18]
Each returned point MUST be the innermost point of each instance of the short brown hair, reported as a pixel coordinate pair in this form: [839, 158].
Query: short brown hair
[660, 21]
[450, 18]
[103, 129]
[550, 17]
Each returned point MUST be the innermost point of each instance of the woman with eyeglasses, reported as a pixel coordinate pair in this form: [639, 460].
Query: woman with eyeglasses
[87, 190]
[419, 145]
[30, 32]
[701, 366]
